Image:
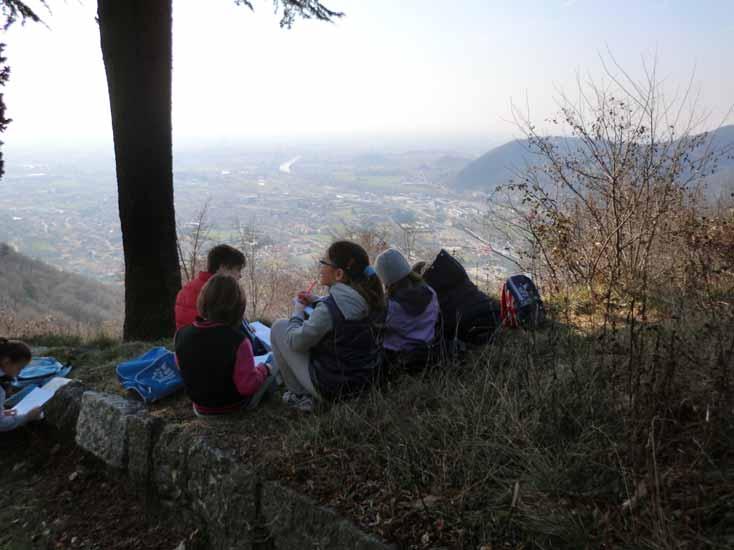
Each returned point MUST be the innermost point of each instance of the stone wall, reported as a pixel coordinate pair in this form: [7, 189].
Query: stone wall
[237, 508]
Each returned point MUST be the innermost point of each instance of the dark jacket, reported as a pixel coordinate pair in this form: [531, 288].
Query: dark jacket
[348, 358]
[466, 311]
[217, 366]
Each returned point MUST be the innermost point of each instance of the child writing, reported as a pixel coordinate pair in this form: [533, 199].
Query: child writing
[215, 357]
[336, 351]
[412, 311]
[14, 356]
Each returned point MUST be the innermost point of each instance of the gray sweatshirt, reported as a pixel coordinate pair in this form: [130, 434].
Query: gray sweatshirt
[8, 423]
[303, 334]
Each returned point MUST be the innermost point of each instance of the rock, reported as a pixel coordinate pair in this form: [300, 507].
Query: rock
[169, 459]
[221, 490]
[73, 476]
[62, 411]
[102, 426]
[142, 430]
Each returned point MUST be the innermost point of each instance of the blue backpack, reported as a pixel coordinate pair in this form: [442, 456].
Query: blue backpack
[153, 376]
[39, 371]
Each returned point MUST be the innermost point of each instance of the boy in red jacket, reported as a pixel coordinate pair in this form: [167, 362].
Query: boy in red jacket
[222, 259]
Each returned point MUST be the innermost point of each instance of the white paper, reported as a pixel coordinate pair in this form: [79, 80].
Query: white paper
[40, 396]
[262, 358]
[54, 384]
[261, 331]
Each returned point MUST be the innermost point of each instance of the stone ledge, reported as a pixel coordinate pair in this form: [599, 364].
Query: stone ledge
[102, 426]
[62, 411]
[204, 484]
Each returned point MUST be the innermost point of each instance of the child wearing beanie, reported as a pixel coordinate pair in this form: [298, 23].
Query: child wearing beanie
[412, 311]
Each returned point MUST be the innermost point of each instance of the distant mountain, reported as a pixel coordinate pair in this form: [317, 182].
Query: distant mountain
[493, 168]
[30, 289]
[500, 165]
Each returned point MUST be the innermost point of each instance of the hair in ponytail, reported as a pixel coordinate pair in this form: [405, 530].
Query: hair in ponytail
[14, 350]
[354, 261]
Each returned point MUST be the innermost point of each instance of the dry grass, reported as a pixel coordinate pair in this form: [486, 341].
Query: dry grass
[577, 435]
[560, 438]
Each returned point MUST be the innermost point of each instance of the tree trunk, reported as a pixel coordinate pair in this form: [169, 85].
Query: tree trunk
[136, 48]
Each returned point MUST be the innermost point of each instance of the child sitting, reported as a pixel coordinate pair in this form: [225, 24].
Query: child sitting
[215, 358]
[14, 356]
[222, 259]
[336, 351]
[412, 311]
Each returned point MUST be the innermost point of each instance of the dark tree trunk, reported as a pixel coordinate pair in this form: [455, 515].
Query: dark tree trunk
[136, 47]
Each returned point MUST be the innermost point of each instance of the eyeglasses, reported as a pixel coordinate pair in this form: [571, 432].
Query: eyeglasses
[324, 262]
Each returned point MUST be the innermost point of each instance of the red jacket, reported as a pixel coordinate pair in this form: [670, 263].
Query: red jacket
[186, 311]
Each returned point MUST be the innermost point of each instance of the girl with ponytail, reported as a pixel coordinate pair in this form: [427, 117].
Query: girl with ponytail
[336, 351]
[14, 356]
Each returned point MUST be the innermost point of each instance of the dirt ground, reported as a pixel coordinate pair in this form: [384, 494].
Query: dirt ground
[54, 496]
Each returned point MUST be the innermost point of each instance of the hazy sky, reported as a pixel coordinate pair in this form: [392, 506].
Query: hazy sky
[409, 69]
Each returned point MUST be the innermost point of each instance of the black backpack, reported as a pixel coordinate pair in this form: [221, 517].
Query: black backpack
[467, 313]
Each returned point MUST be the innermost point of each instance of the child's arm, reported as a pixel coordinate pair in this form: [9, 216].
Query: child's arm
[303, 335]
[9, 420]
[247, 376]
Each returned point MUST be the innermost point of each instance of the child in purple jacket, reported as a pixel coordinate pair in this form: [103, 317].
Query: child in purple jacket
[412, 311]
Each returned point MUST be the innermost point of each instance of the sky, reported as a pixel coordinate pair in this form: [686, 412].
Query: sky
[409, 72]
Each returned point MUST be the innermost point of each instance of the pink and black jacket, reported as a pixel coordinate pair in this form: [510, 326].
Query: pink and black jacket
[217, 366]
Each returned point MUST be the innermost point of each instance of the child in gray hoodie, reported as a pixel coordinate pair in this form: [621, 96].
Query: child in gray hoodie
[14, 356]
[336, 351]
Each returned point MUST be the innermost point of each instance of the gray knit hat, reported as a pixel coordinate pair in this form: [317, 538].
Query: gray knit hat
[391, 266]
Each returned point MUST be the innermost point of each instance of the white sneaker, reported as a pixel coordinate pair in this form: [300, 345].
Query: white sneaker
[302, 403]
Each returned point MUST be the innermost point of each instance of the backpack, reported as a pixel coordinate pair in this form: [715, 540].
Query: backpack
[520, 303]
[153, 376]
[467, 313]
[39, 371]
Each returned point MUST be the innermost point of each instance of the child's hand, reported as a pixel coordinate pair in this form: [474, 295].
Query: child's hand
[298, 307]
[306, 298]
[35, 414]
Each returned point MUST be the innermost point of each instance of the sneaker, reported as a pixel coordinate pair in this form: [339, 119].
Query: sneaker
[288, 396]
[302, 403]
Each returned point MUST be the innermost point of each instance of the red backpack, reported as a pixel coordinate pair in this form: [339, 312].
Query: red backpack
[520, 303]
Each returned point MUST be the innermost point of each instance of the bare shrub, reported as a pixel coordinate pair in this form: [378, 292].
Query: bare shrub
[603, 207]
[192, 240]
[373, 238]
[269, 281]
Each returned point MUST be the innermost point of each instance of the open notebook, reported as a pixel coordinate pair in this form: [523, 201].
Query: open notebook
[263, 333]
[39, 396]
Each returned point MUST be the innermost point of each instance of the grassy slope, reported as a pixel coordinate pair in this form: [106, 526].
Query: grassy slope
[558, 438]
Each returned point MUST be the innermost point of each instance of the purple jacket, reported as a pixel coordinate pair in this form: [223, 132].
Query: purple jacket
[411, 320]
